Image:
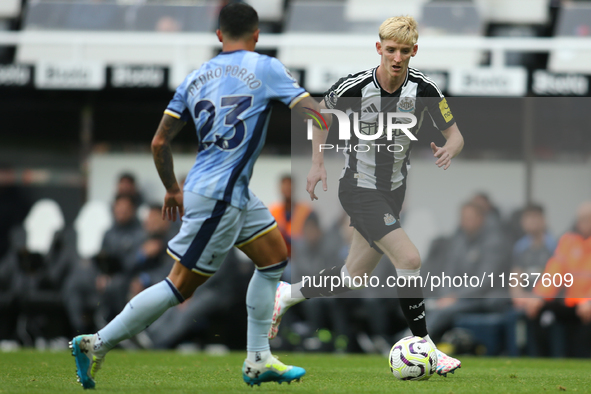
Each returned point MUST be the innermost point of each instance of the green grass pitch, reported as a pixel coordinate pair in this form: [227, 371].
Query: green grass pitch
[170, 372]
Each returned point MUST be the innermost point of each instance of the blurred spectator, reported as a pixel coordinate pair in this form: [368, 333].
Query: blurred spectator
[127, 185]
[121, 241]
[531, 252]
[570, 306]
[530, 255]
[152, 263]
[103, 281]
[14, 207]
[290, 217]
[219, 300]
[168, 24]
[491, 212]
[475, 248]
[31, 285]
[381, 313]
[313, 252]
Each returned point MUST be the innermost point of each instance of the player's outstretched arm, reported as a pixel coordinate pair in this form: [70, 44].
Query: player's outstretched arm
[452, 147]
[162, 153]
[319, 135]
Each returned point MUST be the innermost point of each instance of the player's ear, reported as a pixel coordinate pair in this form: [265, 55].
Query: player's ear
[218, 33]
[256, 35]
[415, 49]
[379, 48]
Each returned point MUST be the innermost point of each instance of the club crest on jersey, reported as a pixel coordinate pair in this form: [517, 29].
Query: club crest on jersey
[332, 99]
[389, 219]
[406, 104]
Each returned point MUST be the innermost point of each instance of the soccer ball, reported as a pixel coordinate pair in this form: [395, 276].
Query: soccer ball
[413, 358]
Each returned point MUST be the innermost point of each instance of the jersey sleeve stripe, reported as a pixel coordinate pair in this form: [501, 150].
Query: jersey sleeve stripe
[426, 80]
[422, 76]
[298, 99]
[172, 113]
[352, 82]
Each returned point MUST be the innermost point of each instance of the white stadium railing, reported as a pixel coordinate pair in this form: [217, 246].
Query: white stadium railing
[315, 53]
[77, 41]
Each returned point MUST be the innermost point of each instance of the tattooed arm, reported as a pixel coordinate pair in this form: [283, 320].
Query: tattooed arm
[162, 153]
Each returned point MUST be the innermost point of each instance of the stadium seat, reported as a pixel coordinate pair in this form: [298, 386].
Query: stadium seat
[324, 22]
[451, 18]
[328, 20]
[10, 8]
[268, 10]
[316, 16]
[91, 224]
[448, 18]
[41, 224]
[574, 20]
[514, 12]
[111, 16]
[377, 10]
[111, 20]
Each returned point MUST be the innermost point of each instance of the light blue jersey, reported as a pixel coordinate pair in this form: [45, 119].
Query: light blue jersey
[229, 99]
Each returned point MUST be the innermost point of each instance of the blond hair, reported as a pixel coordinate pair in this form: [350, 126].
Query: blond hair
[402, 29]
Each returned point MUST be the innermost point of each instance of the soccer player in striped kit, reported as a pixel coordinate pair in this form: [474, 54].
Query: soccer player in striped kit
[373, 182]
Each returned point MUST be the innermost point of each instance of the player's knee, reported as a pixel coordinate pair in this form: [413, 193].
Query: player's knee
[413, 261]
[185, 281]
[183, 286]
[187, 291]
[279, 254]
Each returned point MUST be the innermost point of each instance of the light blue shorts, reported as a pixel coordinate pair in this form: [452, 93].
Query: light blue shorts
[211, 227]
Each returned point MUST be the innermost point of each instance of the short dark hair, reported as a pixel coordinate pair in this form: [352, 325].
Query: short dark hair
[130, 198]
[238, 19]
[533, 208]
[474, 206]
[127, 176]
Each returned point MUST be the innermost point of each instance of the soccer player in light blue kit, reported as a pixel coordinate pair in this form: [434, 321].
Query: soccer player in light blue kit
[229, 99]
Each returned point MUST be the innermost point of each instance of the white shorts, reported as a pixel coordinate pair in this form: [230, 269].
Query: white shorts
[211, 227]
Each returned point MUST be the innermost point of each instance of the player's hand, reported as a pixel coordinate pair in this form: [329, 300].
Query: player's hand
[584, 312]
[173, 204]
[442, 155]
[317, 173]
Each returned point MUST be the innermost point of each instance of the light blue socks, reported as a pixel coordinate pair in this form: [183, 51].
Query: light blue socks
[138, 314]
[260, 300]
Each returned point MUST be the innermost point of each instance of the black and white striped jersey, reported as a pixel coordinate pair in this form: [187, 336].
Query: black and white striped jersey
[371, 164]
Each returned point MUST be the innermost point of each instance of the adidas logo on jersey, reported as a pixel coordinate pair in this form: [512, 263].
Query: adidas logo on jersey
[370, 109]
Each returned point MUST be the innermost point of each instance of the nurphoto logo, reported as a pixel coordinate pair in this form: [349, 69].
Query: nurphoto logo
[388, 125]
